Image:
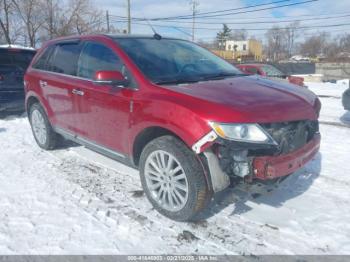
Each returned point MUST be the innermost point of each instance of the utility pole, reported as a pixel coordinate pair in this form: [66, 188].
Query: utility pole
[107, 18]
[51, 14]
[194, 4]
[129, 17]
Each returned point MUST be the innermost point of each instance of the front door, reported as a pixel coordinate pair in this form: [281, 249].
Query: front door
[103, 110]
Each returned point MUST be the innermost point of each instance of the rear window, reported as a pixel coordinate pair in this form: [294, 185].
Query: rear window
[41, 62]
[14, 57]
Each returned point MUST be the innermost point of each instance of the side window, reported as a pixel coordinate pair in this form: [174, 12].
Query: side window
[65, 59]
[97, 57]
[42, 60]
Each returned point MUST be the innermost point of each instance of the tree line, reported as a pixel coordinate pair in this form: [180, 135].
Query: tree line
[34, 21]
[282, 43]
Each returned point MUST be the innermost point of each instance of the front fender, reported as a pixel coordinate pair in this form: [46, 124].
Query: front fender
[176, 118]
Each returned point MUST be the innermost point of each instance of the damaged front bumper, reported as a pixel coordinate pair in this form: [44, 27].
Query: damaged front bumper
[270, 167]
[227, 161]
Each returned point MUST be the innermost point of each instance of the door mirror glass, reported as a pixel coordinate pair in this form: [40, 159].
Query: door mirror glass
[114, 78]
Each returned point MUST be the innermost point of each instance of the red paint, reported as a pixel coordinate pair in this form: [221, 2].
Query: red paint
[109, 75]
[258, 69]
[270, 167]
[114, 117]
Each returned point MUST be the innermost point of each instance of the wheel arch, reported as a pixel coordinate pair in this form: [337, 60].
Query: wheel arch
[147, 135]
[150, 133]
[30, 101]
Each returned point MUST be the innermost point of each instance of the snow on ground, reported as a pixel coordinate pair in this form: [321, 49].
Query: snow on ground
[74, 201]
[330, 96]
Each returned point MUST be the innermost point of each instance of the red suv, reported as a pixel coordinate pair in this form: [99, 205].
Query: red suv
[271, 72]
[189, 121]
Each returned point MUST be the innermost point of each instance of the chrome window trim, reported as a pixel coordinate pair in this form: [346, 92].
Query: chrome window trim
[60, 74]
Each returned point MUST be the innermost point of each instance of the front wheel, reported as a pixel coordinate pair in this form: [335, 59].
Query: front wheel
[173, 179]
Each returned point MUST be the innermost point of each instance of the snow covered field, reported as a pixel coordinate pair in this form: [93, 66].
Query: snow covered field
[74, 201]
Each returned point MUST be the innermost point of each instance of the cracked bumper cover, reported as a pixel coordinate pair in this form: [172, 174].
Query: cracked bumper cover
[269, 167]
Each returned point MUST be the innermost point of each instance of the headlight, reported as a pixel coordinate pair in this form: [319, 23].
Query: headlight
[251, 133]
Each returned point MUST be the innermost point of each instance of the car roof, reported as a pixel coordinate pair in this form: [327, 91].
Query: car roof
[17, 47]
[255, 65]
[113, 36]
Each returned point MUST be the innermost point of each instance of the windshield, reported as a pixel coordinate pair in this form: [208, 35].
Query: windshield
[272, 71]
[175, 61]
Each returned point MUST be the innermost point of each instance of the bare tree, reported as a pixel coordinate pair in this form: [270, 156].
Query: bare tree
[315, 45]
[76, 17]
[88, 19]
[276, 44]
[30, 12]
[291, 34]
[5, 13]
[344, 43]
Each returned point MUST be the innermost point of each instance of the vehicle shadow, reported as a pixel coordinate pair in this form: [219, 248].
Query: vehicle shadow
[274, 195]
[2, 129]
[65, 144]
[345, 119]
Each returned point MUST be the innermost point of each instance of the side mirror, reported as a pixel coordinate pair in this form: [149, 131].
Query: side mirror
[113, 78]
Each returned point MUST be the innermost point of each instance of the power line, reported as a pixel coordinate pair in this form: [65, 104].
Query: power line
[249, 18]
[225, 10]
[257, 10]
[260, 22]
[248, 29]
[226, 14]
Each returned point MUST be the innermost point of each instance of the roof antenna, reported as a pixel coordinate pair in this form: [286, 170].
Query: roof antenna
[155, 34]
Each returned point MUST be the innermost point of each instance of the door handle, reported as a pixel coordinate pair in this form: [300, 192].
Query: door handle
[78, 92]
[42, 83]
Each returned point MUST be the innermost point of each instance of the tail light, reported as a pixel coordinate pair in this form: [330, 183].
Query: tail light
[1, 78]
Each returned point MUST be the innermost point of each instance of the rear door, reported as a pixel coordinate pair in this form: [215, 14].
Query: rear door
[104, 110]
[57, 79]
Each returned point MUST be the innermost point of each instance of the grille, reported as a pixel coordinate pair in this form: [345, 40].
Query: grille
[291, 136]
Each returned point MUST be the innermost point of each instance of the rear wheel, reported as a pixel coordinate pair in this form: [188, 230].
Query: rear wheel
[43, 133]
[173, 179]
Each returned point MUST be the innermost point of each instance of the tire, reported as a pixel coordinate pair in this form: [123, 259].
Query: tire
[39, 120]
[183, 171]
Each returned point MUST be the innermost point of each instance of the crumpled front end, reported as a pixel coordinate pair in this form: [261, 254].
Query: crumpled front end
[296, 143]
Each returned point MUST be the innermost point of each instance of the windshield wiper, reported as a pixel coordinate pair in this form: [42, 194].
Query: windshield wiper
[176, 81]
[221, 76]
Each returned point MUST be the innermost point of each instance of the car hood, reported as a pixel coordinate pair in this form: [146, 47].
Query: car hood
[251, 99]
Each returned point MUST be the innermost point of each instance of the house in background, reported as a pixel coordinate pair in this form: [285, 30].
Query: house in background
[246, 50]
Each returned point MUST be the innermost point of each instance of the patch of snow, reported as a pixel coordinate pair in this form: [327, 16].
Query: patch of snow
[344, 82]
[17, 47]
[330, 95]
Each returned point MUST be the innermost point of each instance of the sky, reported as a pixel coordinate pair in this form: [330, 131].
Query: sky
[206, 28]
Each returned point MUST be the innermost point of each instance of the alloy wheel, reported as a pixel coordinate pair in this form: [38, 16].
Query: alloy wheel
[166, 180]
[39, 127]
